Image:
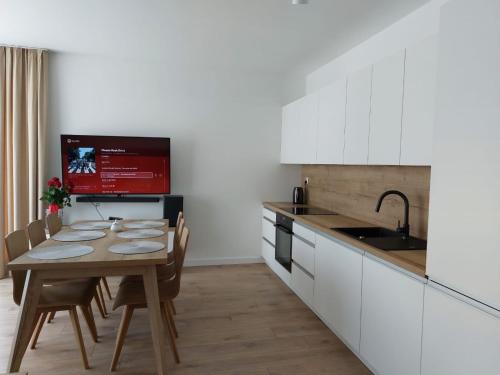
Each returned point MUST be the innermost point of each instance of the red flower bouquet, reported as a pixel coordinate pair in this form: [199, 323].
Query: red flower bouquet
[58, 195]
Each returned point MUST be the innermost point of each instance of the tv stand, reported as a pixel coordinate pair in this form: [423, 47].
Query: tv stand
[120, 198]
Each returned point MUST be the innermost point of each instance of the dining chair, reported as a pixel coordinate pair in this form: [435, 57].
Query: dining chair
[61, 297]
[54, 223]
[132, 296]
[37, 234]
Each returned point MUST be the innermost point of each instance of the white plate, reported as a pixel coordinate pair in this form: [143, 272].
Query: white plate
[137, 247]
[92, 225]
[60, 252]
[78, 235]
[141, 233]
[147, 224]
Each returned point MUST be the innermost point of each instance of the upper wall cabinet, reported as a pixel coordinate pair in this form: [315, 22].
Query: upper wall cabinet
[381, 115]
[331, 123]
[386, 110]
[299, 129]
[357, 129]
[419, 102]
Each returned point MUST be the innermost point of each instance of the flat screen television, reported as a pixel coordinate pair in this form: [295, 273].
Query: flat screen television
[97, 165]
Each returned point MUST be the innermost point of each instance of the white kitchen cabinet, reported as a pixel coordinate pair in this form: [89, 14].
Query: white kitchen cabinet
[331, 123]
[391, 319]
[357, 129]
[337, 288]
[308, 128]
[386, 110]
[419, 102]
[464, 216]
[267, 251]
[458, 338]
[268, 231]
[302, 283]
[303, 254]
[299, 130]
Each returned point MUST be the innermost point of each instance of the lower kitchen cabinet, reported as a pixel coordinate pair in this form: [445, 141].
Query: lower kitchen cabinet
[267, 251]
[391, 319]
[458, 338]
[337, 288]
[302, 283]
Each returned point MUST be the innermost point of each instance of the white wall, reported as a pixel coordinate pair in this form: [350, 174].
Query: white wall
[225, 133]
[413, 28]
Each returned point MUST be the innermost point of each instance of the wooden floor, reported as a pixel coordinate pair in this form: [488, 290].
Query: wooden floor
[232, 320]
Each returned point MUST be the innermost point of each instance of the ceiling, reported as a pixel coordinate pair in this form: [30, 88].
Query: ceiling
[256, 35]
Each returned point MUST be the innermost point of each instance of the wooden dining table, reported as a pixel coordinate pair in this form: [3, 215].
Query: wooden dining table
[101, 262]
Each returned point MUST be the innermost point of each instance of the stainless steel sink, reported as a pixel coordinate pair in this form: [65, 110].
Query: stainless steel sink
[384, 239]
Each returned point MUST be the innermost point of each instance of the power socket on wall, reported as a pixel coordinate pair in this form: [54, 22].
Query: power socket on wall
[306, 181]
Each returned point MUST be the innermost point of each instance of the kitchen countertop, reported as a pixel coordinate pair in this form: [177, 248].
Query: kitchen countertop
[410, 260]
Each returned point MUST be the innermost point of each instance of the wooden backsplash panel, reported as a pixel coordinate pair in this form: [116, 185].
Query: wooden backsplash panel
[354, 191]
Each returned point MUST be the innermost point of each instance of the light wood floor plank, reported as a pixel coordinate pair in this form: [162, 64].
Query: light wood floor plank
[232, 320]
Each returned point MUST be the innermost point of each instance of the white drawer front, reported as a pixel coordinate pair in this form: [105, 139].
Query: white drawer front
[269, 214]
[267, 251]
[268, 231]
[305, 233]
[303, 254]
[303, 285]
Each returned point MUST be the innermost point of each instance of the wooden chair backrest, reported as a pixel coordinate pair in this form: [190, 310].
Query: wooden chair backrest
[179, 254]
[54, 223]
[16, 244]
[178, 230]
[179, 217]
[36, 232]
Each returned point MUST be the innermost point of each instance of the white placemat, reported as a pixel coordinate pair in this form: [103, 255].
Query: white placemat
[92, 225]
[147, 224]
[78, 235]
[141, 233]
[137, 247]
[60, 251]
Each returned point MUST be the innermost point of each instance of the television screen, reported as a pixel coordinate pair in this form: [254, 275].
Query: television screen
[116, 165]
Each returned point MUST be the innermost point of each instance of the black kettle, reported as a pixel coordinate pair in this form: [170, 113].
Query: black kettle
[298, 195]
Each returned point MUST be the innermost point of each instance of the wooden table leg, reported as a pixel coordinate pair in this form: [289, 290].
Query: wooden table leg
[155, 318]
[29, 303]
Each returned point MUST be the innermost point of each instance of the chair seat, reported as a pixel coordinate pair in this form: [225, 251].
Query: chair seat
[165, 272]
[132, 293]
[76, 293]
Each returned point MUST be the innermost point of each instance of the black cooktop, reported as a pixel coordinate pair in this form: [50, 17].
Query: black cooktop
[308, 211]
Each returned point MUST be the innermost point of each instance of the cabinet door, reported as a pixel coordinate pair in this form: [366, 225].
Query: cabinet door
[359, 88]
[308, 128]
[391, 321]
[458, 338]
[419, 102]
[337, 288]
[302, 283]
[286, 114]
[331, 123]
[386, 110]
[267, 251]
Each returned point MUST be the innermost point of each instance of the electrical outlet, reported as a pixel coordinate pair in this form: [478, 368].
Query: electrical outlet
[307, 180]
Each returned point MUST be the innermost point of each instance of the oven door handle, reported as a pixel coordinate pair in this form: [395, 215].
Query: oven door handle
[283, 228]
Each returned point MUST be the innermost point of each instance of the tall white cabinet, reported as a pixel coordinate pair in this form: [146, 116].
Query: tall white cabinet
[331, 123]
[357, 128]
[386, 110]
[464, 216]
[459, 338]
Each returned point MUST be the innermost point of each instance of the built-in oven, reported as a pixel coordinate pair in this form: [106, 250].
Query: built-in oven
[283, 246]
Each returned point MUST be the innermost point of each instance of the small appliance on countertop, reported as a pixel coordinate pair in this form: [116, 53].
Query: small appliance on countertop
[298, 195]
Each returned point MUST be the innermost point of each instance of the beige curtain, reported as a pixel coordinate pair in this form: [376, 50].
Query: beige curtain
[23, 112]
